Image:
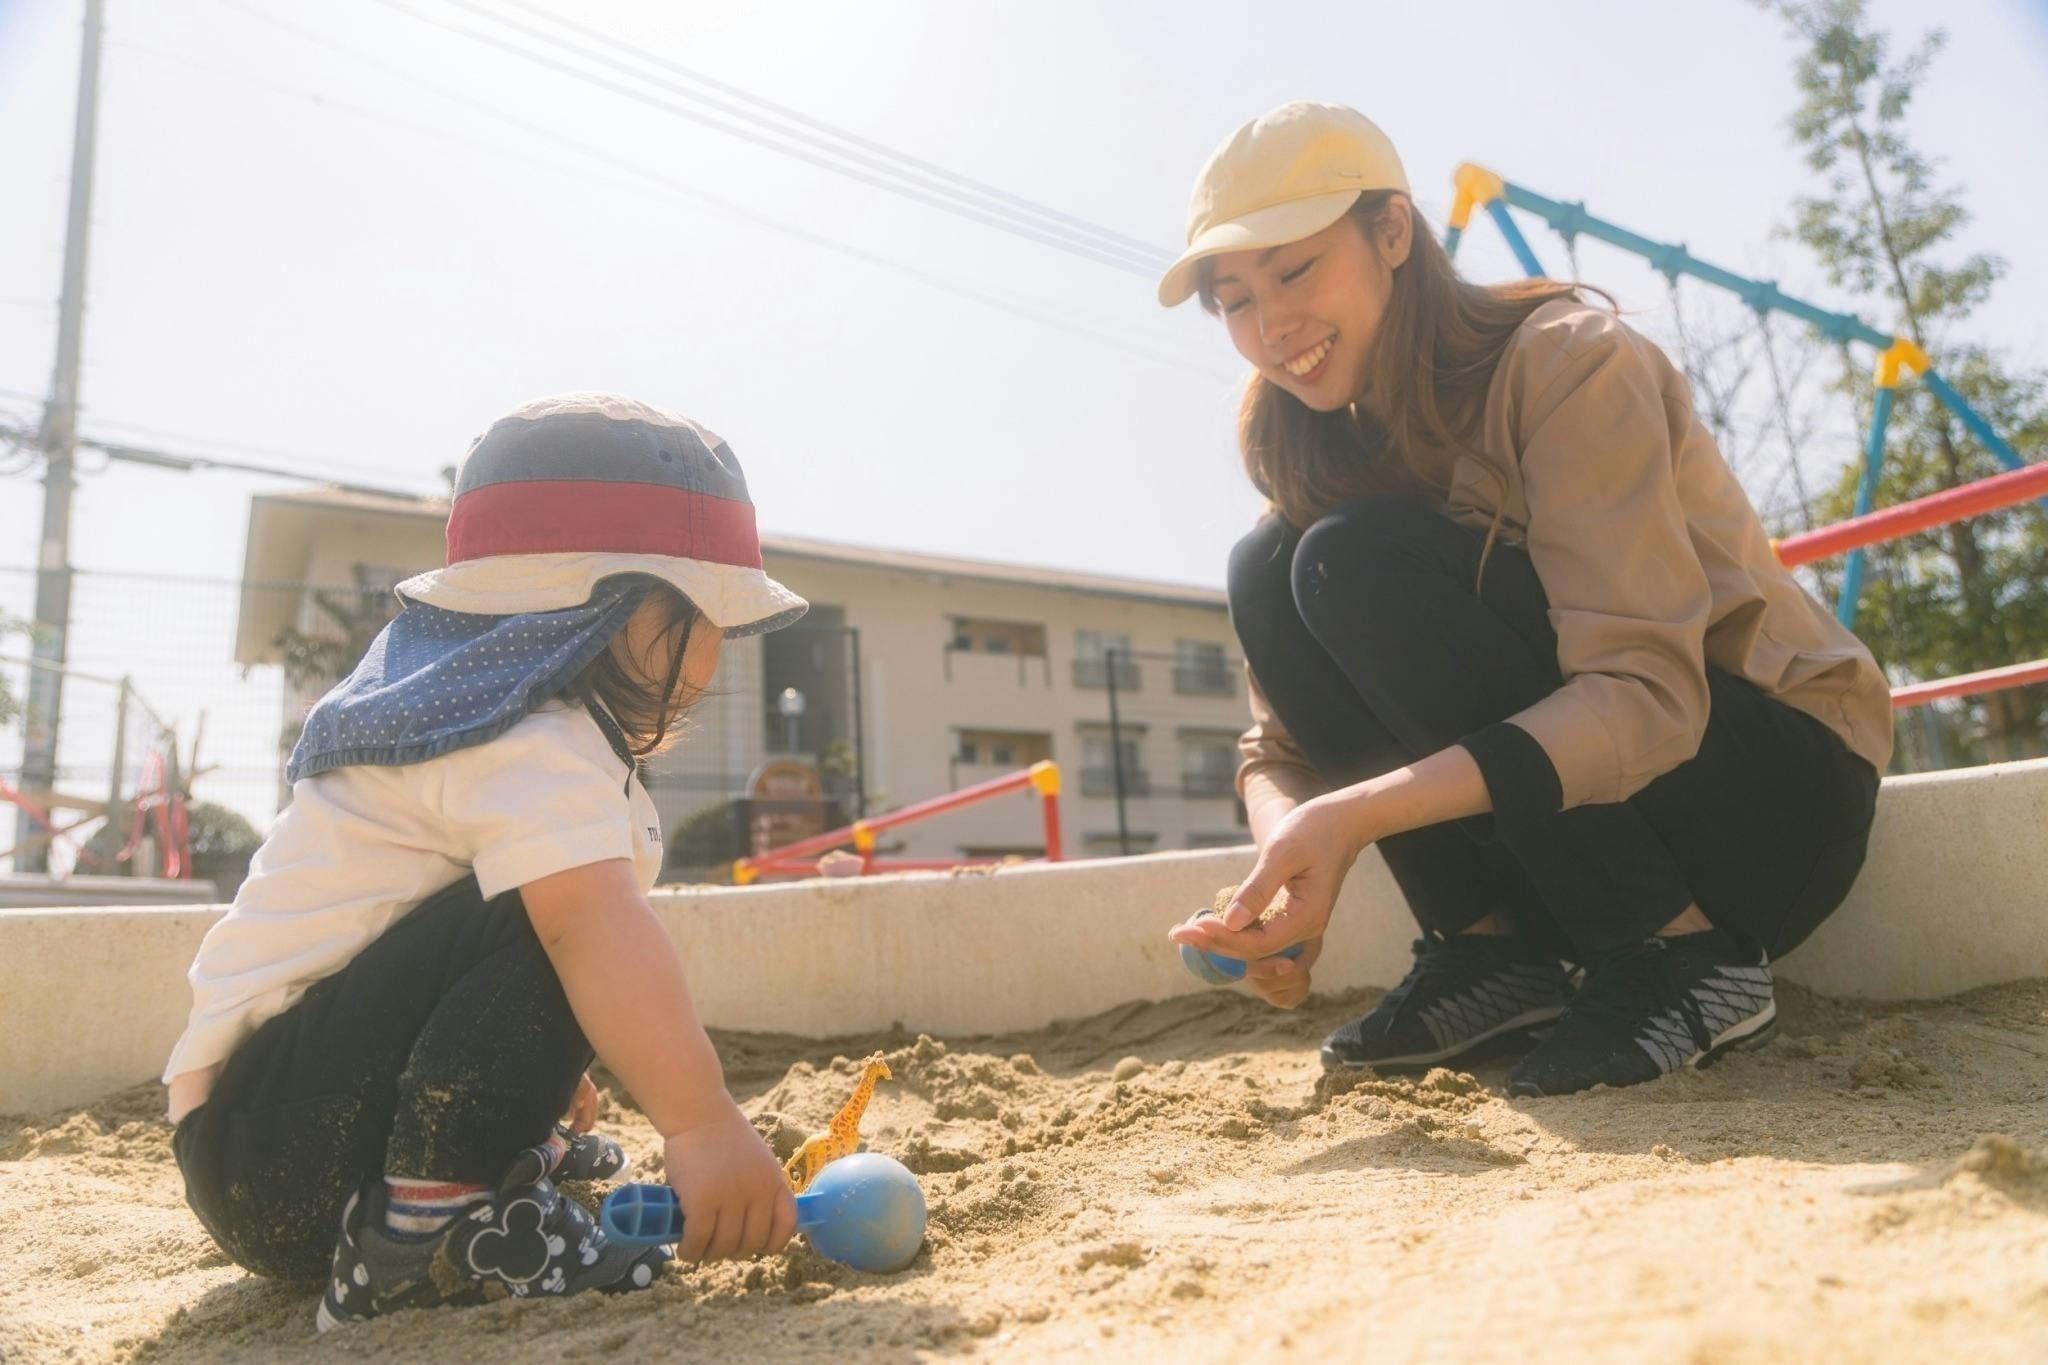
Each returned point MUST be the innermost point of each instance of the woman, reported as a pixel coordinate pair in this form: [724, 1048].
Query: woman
[1511, 619]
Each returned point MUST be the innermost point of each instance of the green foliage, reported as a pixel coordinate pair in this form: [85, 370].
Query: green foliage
[710, 838]
[1958, 598]
[222, 844]
[10, 705]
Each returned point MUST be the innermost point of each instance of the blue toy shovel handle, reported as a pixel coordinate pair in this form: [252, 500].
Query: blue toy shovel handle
[651, 1215]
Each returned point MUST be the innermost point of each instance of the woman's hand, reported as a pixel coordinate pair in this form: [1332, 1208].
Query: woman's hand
[1288, 897]
[582, 1115]
[1282, 982]
[736, 1201]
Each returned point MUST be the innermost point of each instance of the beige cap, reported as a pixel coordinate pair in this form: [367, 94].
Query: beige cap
[1280, 178]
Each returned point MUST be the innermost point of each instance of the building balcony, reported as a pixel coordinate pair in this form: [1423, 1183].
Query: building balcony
[1102, 782]
[978, 670]
[1095, 673]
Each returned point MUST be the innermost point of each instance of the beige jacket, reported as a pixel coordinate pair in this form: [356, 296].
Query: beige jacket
[1654, 562]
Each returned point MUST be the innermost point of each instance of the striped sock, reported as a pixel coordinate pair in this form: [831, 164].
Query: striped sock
[419, 1209]
[557, 1147]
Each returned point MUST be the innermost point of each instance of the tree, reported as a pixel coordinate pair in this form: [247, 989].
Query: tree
[1973, 595]
[10, 705]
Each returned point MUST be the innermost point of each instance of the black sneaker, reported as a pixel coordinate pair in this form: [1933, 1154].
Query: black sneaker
[1464, 991]
[526, 1240]
[1650, 1008]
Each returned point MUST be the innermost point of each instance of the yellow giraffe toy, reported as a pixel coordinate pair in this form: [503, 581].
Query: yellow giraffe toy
[842, 1137]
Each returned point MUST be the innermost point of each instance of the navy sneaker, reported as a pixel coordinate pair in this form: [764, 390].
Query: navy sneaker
[526, 1240]
[1651, 1008]
[590, 1156]
[1466, 994]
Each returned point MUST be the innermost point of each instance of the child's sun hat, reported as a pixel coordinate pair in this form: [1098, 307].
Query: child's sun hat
[567, 512]
[1284, 176]
[562, 492]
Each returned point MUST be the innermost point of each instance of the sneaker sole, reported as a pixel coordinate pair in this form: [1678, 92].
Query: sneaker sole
[1754, 1032]
[1469, 1050]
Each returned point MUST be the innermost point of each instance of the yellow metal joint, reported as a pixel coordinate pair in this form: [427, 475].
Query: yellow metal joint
[743, 873]
[1045, 777]
[1901, 355]
[1477, 187]
[863, 837]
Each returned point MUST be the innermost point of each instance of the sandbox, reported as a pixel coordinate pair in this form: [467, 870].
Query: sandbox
[1173, 1177]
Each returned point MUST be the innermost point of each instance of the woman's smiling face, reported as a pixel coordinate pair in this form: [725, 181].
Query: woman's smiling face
[1305, 314]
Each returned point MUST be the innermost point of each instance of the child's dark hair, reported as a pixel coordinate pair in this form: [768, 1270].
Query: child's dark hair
[646, 709]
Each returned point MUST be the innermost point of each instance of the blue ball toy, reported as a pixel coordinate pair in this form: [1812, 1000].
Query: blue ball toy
[1217, 969]
[865, 1210]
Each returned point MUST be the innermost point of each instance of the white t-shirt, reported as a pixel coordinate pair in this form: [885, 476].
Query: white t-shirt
[360, 846]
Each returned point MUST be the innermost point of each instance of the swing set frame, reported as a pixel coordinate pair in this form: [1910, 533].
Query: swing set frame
[1478, 187]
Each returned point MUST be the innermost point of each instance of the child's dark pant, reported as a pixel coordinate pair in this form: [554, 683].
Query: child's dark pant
[441, 1051]
[1374, 651]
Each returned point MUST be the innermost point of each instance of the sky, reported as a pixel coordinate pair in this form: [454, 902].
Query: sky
[333, 235]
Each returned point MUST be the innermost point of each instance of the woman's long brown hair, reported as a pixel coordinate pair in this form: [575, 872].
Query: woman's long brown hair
[1432, 360]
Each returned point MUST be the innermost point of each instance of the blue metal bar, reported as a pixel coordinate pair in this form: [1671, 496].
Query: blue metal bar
[1520, 244]
[1674, 260]
[1866, 495]
[1451, 236]
[1979, 428]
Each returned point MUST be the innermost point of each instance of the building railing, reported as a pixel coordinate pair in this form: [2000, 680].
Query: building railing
[1097, 673]
[796, 860]
[1208, 784]
[1102, 782]
[1202, 680]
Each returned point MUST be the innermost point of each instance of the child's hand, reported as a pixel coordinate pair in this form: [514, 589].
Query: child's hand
[736, 1201]
[582, 1115]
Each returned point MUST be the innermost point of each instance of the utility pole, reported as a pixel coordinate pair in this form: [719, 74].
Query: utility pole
[59, 442]
[1116, 756]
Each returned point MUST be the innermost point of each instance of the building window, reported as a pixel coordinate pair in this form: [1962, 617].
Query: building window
[1237, 840]
[991, 753]
[977, 635]
[1199, 669]
[1005, 851]
[1208, 763]
[1098, 772]
[1109, 845]
[1092, 649]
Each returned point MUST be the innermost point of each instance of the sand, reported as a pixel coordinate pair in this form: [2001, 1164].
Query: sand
[1174, 1182]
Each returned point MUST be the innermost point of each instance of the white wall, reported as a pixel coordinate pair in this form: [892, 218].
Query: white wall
[1951, 899]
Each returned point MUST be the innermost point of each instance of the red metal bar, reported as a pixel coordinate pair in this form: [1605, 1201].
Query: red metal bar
[1937, 509]
[939, 805]
[1053, 852]
[1043, 776]
[1971, 684]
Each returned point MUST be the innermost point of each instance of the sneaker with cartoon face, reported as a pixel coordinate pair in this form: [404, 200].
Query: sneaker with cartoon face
[524, 1241]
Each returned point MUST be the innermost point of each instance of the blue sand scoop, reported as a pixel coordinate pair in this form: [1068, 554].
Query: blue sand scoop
[865, 1211]
[1216, 969]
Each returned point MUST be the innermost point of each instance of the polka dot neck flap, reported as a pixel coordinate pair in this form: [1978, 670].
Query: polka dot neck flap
[435, 681]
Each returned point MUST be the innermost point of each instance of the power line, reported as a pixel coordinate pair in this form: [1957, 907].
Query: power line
[641, 179]
[836, 139]
[188, 463]
[991, 216]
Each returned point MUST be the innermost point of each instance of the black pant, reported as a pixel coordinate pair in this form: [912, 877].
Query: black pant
[1375, 651]
[441, 1051]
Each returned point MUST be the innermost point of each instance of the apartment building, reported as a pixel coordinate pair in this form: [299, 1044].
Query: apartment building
[913, 675]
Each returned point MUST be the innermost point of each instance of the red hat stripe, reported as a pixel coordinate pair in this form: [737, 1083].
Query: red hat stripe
[579, 516]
